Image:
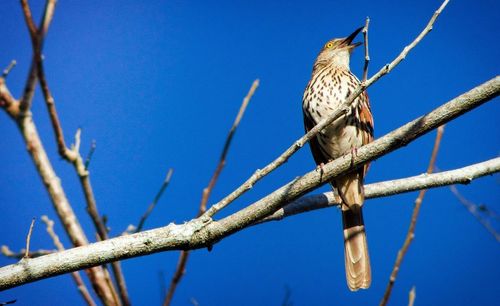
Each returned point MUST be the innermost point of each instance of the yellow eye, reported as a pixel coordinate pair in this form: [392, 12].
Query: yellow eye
[329, 45]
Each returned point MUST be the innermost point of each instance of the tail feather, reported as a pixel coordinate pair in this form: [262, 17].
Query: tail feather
[357, 260]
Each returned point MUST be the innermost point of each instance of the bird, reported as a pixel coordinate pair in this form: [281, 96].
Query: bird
[331, 83]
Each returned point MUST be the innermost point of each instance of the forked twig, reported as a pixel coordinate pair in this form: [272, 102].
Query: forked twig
[183, 257]
[411, 230]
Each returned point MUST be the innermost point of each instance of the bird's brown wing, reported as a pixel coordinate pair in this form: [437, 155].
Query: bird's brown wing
[318, 155]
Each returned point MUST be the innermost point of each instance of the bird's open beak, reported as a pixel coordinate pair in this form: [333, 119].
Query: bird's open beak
[348, 40]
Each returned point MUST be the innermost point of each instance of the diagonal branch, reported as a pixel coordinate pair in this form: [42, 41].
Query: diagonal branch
[37, 36]
[383, 189]
[183, 257]
[342, 110]
[201, 232]
[474, 209]
[151, 206]
[413, 223]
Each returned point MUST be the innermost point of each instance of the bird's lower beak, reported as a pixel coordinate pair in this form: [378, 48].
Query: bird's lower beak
[348, 40]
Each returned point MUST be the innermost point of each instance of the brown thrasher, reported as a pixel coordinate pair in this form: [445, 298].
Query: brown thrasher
[331, 83]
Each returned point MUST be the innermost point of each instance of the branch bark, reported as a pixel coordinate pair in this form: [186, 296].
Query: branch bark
[463, 175]
[202, 232]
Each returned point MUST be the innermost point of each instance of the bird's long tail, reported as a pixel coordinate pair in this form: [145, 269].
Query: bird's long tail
[357, 260]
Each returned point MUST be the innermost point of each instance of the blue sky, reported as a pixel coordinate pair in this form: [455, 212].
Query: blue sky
[157, 84]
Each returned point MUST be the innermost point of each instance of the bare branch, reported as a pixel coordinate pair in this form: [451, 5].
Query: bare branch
[28, 18]
[202, 232]
[76, 275]
[180, 270]
[164, 186]
[367, 53]
[7, 70]
[413, 223]
[37, 37]
[90, 154]
[383, 189]
[28, 239]
[183, 257]
[7, 252]
[411, 296]
[474, 209]
[342, 110]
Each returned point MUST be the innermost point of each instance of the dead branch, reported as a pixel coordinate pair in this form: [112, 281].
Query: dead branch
[475, 209]
[183, 257]
[151, 206]
[367, 52]
[413, 223]
[203, 232]
[80, 285]
[28, 239]
[383, 189]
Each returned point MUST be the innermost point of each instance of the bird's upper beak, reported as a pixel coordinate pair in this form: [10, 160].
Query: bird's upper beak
[348, 40]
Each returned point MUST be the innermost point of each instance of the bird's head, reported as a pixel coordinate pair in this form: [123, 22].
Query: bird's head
[337, 51]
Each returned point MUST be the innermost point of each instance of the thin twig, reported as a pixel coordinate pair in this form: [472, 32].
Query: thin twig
[411, 230]
[151, 206]
[183, 257]
[180, 270]
[7, 252]
[343, 109]
[90, 154]
[37, 36]
[475, 209]
[7, 70]
[28, 239]
[82, 288]
[367, 53]
[411, 296]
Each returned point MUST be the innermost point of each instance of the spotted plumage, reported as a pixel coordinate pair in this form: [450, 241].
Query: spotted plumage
[330, 85]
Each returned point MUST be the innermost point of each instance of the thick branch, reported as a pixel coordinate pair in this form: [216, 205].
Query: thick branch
[203, 232]
[80, 285]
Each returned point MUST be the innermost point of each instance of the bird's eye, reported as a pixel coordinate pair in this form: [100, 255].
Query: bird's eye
[329, 45]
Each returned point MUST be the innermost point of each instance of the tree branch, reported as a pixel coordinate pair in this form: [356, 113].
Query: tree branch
[342, 110]
[367, 52]
[413, 222]
[183, 257]
[463, 175]
[203, 232]
[80, 285]
[151, 206]
[475, 209]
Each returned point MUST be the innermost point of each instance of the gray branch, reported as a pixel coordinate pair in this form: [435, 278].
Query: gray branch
[203, 232]
[463, 175]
